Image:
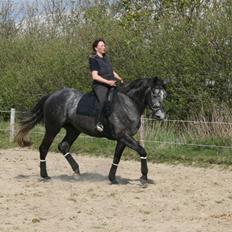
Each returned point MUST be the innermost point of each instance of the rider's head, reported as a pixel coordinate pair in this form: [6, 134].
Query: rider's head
[99, 46]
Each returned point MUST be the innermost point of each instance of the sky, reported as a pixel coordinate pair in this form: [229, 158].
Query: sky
[20, 1]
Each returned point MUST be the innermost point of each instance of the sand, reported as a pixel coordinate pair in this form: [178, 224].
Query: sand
[182, 198]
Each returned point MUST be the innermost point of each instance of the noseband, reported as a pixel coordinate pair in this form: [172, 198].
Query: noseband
[158, 98]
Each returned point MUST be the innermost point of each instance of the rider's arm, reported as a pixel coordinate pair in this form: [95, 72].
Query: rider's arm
[117, 76]
[94, 67]
[98, 78]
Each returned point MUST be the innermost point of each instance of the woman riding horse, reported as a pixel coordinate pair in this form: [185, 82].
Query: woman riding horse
[58, 110]
[104, 77]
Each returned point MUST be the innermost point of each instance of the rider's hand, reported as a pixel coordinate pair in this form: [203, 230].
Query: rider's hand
[112, 83]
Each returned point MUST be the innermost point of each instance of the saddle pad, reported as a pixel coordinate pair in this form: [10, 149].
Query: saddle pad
[88, 105]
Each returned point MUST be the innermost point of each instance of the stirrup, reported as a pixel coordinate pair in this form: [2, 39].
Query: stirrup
[99, 127]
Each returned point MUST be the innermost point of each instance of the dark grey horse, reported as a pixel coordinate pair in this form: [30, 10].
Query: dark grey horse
[58, 110]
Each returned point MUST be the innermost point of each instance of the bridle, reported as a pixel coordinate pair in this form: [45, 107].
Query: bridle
[158, 94]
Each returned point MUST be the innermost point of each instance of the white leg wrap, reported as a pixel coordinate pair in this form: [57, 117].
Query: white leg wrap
[143, 158]
[115, 164]
[66, 154]
[42, 160]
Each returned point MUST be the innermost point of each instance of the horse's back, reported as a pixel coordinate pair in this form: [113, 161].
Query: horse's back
[59, 104]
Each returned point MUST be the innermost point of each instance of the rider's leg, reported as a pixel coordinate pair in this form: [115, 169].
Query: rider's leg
[101, 92]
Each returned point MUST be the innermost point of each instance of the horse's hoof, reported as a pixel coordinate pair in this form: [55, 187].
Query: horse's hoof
[77, 171]
[45, 178]
[150, 181]
[143, 180]
[114, 182]
[76, 176]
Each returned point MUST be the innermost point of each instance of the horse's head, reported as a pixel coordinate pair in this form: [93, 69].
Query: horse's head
[155, 96]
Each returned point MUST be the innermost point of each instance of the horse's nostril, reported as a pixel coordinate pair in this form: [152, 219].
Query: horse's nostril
[155, 106]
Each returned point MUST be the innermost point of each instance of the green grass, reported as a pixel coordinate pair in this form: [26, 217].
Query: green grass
[191, 151]
[190, 155]
[157, 151]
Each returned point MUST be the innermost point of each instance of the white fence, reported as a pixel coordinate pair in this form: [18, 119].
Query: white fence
[11, 130]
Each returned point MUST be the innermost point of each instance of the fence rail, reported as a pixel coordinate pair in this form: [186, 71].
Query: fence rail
[11, 130]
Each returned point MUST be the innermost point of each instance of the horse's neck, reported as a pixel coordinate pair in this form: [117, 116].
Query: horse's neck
[138, 94]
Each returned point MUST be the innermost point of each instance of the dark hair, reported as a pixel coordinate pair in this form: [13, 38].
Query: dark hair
[95, 43]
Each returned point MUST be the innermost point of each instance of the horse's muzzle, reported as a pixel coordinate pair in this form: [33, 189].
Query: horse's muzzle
[159, 114]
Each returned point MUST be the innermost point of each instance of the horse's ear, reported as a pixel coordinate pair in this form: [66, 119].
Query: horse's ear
[166, 81]
[155, 79]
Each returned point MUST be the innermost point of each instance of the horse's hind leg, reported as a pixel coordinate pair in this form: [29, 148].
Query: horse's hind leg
[44, 147]
[65, 145]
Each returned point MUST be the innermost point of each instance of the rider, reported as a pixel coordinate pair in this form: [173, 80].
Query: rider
[103, 75]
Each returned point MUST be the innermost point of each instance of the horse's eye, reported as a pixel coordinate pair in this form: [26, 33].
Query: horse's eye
[155, 92]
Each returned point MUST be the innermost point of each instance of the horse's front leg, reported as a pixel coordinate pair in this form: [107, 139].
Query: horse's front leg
[133, 144]
[117, 156]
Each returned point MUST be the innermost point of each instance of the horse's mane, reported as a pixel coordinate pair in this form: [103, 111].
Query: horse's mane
[135, 84]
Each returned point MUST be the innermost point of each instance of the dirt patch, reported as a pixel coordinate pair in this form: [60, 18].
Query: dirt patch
[182, 198]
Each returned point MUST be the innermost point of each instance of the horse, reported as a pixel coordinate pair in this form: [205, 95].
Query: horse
[58, 110]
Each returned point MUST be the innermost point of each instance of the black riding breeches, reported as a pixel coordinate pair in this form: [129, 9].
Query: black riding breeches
[102, 92]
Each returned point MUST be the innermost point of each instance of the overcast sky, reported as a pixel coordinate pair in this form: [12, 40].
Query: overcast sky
[22, 1]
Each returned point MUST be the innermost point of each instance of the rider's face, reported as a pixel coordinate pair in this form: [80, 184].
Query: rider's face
[101, 48]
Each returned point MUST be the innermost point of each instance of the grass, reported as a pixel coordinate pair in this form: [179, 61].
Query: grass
[198, 147]
[155, 134]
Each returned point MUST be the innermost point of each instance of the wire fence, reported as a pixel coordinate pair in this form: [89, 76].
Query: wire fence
[149, 131]
[191, 121]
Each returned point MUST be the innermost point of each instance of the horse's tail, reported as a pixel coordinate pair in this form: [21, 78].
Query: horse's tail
[35, 116]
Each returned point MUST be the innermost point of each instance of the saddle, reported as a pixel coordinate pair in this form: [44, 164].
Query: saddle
[89, 105]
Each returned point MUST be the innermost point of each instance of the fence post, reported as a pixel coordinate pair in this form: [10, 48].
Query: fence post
[12, 124]
[141, 132]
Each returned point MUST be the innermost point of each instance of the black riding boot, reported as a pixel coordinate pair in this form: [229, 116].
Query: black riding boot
[102, 93]
[99, 125]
